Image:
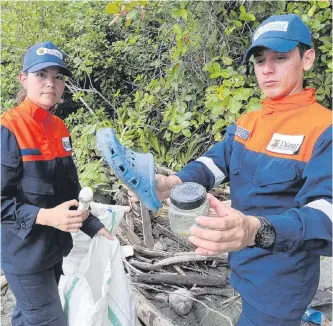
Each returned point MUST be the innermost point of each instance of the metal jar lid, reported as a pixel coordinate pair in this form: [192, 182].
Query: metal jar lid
[188, 195]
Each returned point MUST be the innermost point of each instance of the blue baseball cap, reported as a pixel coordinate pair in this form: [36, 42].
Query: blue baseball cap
[44, 55]
[280, 33]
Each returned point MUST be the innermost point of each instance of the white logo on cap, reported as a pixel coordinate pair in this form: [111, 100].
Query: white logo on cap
[42, 51]
[279, 26]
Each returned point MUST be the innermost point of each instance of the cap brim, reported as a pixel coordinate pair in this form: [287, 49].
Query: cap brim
[44, 65]
[275, 44]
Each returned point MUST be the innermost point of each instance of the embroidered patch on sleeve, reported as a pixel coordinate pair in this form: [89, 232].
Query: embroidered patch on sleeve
[285, 144]
[67, 144]
[242, 133]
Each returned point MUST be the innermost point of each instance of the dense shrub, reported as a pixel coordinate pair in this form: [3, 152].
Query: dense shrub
[167, 76]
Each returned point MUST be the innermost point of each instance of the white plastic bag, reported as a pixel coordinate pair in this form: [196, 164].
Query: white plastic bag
[99, 293]
[81, 241]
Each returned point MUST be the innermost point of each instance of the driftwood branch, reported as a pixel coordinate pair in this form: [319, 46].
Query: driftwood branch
[212, 291]
[183, 258]
[132, 237]
[188, 280]
[151, 252]
[178, 270]
[71, 88]
[130, 220]
[148, 313]
[146, 227]
[171, 235]
[144, 266]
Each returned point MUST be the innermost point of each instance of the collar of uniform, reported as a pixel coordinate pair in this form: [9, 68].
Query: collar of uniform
[291, 102]
[38, 113]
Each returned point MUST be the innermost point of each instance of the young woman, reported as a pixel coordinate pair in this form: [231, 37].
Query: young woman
[39, 187]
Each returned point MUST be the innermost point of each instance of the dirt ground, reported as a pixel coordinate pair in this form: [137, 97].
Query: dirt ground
[200, 315]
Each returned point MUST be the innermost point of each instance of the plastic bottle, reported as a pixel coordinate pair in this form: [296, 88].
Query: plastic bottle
[188, 200]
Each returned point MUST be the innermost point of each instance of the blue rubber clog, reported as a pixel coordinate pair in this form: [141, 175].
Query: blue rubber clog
[135, 170]
[313, 316]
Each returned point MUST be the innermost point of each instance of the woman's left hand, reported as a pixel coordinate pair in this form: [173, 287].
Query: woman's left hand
[105, 233]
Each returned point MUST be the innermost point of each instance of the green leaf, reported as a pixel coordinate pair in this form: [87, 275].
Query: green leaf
[281, 4]
[112, 8]
[216, 67]
[179, 13]
[183, 4]
[175, 128]
[219, 124]
[215, 75]
[315, 24]
[312, 10]
[242, 9]
[188, 98]
[323, 4]
[177, 29]
[216, 108]
[132, 14]
[143, 2]
[186, 132]
[247, 17]
[155, 143]
[234, 105]
[238, 23]
[183, 14]
[325, 39]
[227, 61]
[224, 73]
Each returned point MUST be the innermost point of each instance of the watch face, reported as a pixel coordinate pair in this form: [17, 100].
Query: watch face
[267, 237]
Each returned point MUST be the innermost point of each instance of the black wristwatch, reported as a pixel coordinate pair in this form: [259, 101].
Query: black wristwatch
[265, 236]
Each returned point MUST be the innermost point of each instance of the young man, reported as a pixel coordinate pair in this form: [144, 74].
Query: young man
[279, 164]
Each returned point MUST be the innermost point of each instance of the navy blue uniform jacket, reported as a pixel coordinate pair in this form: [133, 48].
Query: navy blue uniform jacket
[279, 164]
[37, 171]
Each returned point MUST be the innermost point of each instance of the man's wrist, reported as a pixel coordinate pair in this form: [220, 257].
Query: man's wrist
[266, 234]
[254, 228]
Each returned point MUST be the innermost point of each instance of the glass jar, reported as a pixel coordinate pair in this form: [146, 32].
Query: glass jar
[188, 200]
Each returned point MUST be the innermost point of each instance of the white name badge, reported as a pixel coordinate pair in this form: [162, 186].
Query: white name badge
[67, 144]
[285, 144]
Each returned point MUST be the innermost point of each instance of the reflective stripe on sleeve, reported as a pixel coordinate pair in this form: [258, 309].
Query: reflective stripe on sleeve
[323, 206]
[209, 163]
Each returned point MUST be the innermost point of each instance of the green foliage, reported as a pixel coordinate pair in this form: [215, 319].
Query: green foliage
[83, 127]
[168, 76]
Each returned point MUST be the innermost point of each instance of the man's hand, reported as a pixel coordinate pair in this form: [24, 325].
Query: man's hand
[62, 218]
[105, 233]
[163, 186]
[230, 230]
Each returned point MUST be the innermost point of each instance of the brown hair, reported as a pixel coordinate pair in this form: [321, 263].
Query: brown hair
[20, 96]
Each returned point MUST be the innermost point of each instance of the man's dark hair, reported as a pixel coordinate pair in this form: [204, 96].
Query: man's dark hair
[303, 48]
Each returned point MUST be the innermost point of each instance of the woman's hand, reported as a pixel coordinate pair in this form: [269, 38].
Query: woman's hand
[105, 233]
[62, 218]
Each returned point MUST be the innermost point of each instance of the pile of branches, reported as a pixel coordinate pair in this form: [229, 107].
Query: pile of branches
[163, 266]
